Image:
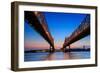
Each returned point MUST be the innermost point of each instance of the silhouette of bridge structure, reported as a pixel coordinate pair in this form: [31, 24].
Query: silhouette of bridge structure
[38, 22]
[82, 31]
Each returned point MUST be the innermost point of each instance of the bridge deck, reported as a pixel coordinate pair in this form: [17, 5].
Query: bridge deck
[82, 31]
[38, 22]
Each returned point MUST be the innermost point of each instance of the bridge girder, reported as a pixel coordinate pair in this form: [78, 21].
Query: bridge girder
[82, 31]
[40, 28]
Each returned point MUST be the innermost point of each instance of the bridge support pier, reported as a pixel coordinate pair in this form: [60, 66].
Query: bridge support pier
[69, 46]
[51, 49]
[66, 49]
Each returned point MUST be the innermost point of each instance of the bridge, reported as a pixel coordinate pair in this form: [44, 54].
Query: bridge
[38, 22]
[82, 31]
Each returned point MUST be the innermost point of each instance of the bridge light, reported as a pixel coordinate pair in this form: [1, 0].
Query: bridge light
[47, 32]
[36, 13]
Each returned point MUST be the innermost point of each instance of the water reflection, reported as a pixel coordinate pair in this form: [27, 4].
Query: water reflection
[58, 56]
[42, 56]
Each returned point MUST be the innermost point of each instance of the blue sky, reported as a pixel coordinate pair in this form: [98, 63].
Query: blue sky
[61, 25]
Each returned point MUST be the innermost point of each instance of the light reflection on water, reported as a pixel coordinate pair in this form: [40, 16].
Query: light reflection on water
[42, 56]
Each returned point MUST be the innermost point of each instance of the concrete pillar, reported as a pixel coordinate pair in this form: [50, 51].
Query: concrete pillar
[64, 50]
[51, 49]
[69, 46]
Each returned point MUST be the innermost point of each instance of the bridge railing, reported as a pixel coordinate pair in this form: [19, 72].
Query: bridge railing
[83, 25]
[43, 21]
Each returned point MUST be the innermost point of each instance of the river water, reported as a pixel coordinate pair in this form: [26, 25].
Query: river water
[43, 56]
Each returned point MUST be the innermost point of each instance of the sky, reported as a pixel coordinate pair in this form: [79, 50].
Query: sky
[60, 25]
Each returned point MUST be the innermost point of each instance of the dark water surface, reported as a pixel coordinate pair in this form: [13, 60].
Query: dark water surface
[42, 56]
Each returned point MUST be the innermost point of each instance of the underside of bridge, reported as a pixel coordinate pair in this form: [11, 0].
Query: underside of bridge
[82, 31]
[37, 21]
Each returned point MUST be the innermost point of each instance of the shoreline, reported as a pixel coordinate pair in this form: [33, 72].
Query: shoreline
[67, 50]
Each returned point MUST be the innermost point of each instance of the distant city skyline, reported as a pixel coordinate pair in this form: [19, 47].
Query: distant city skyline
[61, 25]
